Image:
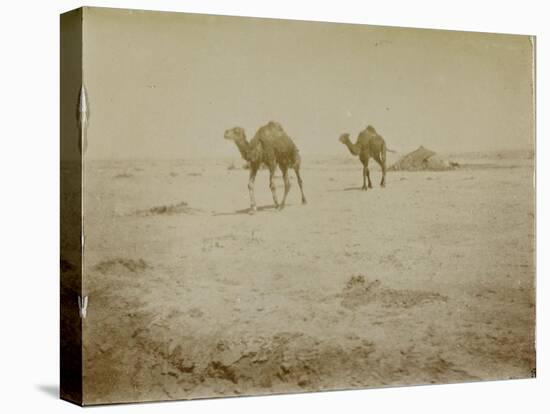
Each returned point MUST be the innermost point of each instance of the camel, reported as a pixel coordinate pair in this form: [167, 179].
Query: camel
[369, 145]
[272, 147]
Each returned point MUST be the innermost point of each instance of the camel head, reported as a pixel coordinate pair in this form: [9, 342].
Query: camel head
[238, 136]
[235, 134]
[344, 138]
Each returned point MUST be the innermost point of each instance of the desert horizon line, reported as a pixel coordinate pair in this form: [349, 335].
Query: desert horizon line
[311, 154]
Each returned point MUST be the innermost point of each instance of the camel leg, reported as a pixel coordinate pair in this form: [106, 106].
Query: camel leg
[252, 177]
[365, 169]
[382, 162]
[383, 182]
[300, 183]
[366, 176]
[287, 186]
[272, 186]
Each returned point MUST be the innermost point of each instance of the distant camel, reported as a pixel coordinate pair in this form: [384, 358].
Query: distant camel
[369, 144]
[270, 146]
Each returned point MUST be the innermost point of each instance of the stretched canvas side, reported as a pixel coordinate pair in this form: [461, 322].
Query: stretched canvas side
[71, 208]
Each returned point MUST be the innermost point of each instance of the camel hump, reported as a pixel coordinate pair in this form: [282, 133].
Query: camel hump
[274, 125]
[372, 134]
[276, 143]
[275, 129]
[271, 131]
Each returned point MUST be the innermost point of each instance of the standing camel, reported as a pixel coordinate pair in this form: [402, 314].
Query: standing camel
[271, 146]
[369, 145]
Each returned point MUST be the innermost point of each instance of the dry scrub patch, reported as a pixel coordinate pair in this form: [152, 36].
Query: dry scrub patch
[361, 292]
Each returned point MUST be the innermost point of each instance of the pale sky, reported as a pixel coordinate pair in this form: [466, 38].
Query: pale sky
[167, 85]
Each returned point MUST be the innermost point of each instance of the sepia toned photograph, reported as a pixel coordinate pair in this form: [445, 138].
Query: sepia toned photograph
[259, 206]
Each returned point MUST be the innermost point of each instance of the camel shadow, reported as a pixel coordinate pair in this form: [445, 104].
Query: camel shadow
[270, 207]
[49, 389]
[347, 189]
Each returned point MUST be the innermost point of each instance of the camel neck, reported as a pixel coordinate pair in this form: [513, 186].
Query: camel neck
[352, 147]
[243, 146]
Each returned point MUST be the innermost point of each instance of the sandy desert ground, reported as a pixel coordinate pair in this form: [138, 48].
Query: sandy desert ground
[430, 280]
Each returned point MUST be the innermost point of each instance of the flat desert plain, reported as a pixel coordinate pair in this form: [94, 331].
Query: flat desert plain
[429, 280]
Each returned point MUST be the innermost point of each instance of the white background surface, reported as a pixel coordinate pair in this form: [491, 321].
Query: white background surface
[29, 206]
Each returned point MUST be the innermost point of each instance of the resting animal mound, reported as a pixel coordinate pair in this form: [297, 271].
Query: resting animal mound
[423, 159]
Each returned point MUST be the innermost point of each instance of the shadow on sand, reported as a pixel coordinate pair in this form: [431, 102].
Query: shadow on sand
[49, 389]
[347, 189]
[270, 207]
